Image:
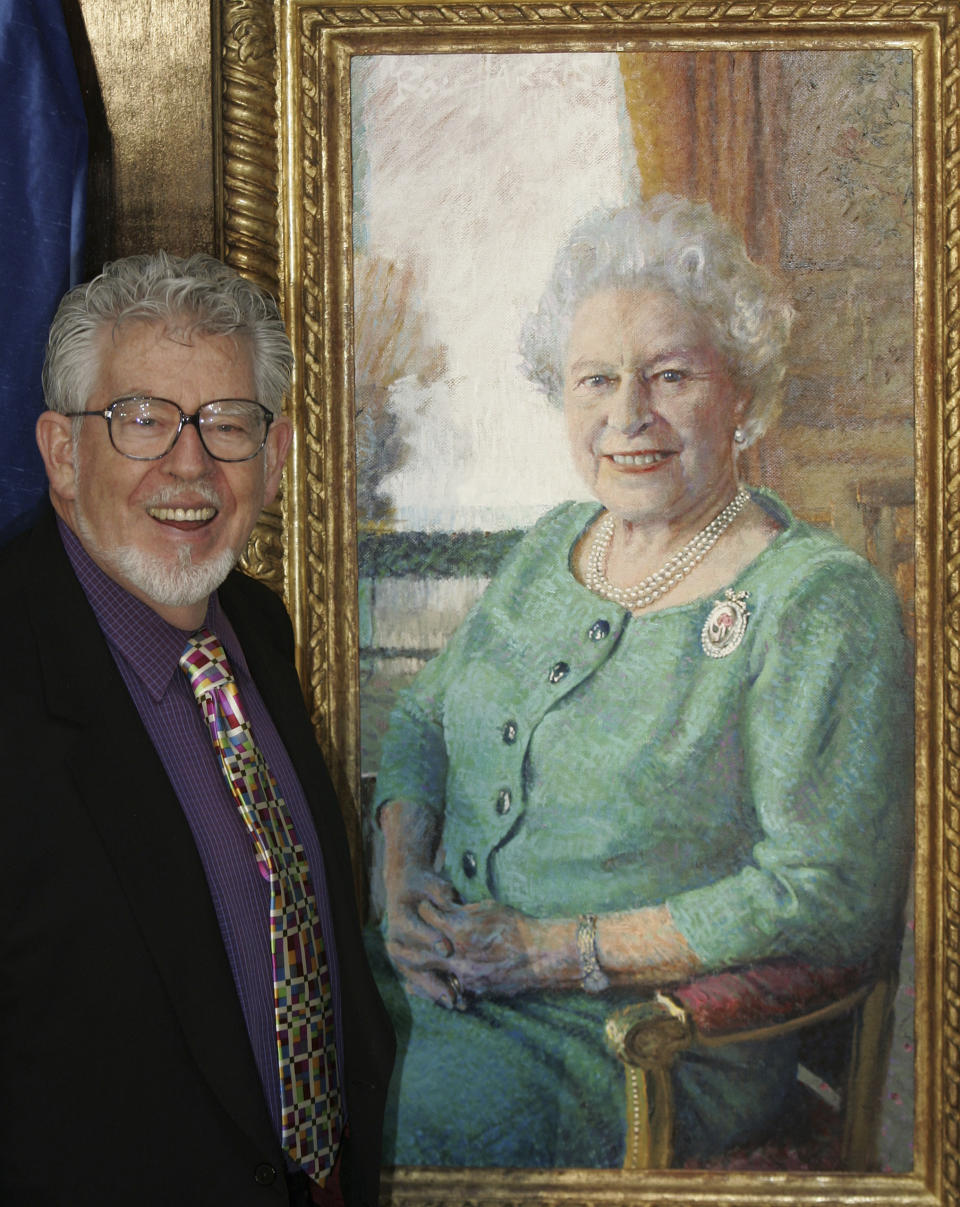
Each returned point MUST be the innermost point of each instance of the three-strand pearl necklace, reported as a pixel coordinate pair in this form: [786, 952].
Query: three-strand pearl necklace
[672, 572]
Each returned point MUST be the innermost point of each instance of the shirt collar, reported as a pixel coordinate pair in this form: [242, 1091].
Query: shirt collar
[134, 631]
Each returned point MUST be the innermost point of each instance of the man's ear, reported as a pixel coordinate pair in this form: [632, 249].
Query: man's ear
[55, 441]
[279, 439]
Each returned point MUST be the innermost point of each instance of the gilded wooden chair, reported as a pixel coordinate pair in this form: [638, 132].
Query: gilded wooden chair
[764, 1002]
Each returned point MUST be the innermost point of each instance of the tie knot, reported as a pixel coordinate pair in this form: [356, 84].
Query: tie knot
[204, 662]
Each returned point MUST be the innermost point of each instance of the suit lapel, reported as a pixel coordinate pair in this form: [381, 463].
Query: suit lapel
[122, 784]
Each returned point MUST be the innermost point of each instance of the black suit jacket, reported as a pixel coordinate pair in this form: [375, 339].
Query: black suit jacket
[126, 1074]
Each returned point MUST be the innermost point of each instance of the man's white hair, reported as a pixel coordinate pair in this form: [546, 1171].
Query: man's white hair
[198, 294]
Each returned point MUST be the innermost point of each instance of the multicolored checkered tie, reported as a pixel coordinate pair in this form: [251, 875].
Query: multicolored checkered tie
[306, 1047]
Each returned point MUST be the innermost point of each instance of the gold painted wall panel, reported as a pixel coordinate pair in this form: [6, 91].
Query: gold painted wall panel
[152, 174]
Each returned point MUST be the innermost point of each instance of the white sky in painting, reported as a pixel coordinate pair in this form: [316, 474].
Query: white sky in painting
[473, 168]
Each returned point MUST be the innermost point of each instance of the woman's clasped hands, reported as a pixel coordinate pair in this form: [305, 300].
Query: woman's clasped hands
[448, 951]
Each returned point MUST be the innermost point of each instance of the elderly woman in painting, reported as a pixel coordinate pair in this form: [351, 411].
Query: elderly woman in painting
[672, 737]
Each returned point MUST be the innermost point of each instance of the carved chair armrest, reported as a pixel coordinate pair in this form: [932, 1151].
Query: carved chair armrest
[646, 1037]
[769, 999]
[730, 1007]
[759, 1002]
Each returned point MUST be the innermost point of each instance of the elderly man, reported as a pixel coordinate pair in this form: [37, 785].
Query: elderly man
[186, 1015]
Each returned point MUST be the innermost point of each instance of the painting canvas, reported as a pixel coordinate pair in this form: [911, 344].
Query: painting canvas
[468, 171]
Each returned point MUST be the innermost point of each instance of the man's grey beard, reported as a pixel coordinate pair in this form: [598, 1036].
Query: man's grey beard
[178, 586]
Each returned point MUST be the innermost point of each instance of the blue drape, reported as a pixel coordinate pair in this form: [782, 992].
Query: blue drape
[43, 170]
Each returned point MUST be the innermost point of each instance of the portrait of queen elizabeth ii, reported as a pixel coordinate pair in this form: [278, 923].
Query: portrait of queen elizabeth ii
[673, 736]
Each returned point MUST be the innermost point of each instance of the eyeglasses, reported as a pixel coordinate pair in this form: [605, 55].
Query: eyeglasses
[146, 429]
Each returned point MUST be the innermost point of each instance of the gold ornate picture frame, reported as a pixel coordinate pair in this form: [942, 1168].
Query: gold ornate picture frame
[285, 197]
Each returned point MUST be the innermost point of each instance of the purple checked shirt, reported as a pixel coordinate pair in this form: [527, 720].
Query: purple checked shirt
[147, 652]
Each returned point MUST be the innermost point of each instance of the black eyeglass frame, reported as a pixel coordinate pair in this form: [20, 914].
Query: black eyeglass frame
[184, 421]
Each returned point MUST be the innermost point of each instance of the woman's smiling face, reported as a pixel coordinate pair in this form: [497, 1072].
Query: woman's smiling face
[651, 407]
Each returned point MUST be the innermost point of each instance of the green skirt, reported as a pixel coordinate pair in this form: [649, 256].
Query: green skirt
[528, 1082]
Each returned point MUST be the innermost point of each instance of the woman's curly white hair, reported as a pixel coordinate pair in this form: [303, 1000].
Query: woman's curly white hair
[682, 248]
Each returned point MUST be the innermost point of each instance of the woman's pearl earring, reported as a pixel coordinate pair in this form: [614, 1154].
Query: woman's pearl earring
[739, 436]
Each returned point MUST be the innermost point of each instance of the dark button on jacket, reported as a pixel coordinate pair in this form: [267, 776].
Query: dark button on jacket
[264, 1174]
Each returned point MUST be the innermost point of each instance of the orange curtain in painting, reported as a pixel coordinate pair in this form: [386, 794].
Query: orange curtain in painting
[705, 126]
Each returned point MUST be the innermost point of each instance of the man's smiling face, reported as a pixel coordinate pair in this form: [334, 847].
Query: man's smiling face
[167, 530]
